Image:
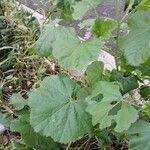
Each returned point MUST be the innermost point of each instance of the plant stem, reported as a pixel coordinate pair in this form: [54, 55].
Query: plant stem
[117, 9]
[68, 146]
[128, 14]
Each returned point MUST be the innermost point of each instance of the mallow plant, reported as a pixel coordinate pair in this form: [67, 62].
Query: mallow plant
[62, 109]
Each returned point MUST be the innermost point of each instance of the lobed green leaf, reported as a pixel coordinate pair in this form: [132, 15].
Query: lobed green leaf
[56, 111]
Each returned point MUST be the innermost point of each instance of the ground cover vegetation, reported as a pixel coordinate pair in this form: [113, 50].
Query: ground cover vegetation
[55, 92]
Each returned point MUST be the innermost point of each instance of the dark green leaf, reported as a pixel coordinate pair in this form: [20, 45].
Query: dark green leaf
[65, 9]
[145, 92]
[145, 68]
[129, 82]
[30, 137]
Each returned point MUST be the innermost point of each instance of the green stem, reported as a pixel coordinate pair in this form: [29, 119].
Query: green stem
[117, 9]
[128, 14]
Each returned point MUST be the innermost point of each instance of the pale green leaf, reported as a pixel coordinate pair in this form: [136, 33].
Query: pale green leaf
[101, 114]
[94, 72]
[73, 52]
[5, 119]
[109, 90]
[18, 101]
[43, 46]
[83, 6]
[125, 117]
[108, 108]
[140, 139]
[57, 112]
[137, 43]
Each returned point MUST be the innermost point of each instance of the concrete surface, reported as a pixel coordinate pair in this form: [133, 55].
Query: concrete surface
[105, 9]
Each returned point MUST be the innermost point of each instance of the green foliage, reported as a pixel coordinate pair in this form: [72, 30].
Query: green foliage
[146, 108]
[94, 72]
[102, 101]
[18, 101]
[144, 5]
[103, 27]
[140, 139]
[5, 119]
[78, 53]
[83, 6]
[128, 81]
[145, 91]
[30, 137]
[109, 90]
[105, 111]
[65, 9]
[43, 46]
[136, 42]
[57, 112]
[144, 68]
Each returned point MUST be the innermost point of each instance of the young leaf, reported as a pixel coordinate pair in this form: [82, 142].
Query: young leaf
[30, 137]
[83, 6]
[94, 72]
[144, 5]
[72, 52]
[140, 132]
[137, 43]
[103, 27]
[57, 112]
[18, 101]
